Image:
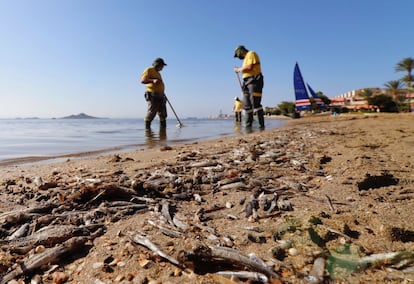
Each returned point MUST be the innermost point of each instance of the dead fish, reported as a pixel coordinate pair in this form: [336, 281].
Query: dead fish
[254, 276]
[46, 236]
[166, 211]
[251, 207]
[254, 229]
[233, 186]
[233, 256]
[202, 164]
[142, 240]
[179, 223]
[166, 231]
[284, 205]
[49, 256]
[22, 231]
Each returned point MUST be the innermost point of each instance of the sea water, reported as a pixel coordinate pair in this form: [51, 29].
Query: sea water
[21, 138]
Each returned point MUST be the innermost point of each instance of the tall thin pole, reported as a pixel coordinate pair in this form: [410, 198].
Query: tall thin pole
[240, 83]
[176, 116]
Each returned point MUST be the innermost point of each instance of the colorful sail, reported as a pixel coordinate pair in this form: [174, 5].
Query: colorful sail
[301, 94]
[318, 101]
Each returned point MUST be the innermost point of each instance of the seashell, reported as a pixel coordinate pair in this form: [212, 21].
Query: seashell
[212, 237]
[285, 244]
[97, 265]
[197, 198]
[293, 251]
[144, 263]
[177, 272]
[114, 262]
[40, 248]
[37, 279]
[121, 264]
[38, 181]
[152, 281]
[228, 242]
[232, 217]
[59, 277]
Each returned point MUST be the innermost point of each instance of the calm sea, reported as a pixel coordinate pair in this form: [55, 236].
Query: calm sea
[21, 138]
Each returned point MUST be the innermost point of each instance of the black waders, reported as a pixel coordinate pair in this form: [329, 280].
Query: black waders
[260, 116]
[249, 119]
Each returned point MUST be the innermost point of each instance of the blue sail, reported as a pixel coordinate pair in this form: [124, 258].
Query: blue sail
[318, 101]
[301, 94]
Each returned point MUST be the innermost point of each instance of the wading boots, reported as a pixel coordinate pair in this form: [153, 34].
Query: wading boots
[249, 119]
[260, 116]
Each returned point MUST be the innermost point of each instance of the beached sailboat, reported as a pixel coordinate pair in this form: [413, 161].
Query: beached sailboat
[317, 100]
[301, 92]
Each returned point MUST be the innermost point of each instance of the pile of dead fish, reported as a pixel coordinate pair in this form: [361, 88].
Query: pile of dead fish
[63, 215]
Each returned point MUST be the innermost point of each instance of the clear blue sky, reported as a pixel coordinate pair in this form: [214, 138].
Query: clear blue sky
[62, 57]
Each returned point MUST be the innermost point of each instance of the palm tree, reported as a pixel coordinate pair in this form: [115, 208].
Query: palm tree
[394, 86]
[366, 93]
[406, 65]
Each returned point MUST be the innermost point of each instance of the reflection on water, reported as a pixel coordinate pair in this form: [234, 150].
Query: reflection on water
[158, 135]
[154, 139]
[238, 128]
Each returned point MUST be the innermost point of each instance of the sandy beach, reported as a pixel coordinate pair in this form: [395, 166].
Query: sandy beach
[320, 190]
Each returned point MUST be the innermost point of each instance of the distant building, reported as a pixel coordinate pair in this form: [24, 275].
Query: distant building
[353, 100]
[410, 98]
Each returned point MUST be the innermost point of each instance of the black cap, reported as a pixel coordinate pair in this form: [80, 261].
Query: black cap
[159, 61]
[240, 49]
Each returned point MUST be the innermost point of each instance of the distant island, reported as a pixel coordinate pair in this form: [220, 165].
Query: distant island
[79, 116]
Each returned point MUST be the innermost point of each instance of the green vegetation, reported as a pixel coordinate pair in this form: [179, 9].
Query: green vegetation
[384, 102]
[407, 65]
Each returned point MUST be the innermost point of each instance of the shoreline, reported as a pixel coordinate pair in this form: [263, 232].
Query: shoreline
[48, 159]
[28, 161]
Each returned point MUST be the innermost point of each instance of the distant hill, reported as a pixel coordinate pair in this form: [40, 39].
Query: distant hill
[79, 116]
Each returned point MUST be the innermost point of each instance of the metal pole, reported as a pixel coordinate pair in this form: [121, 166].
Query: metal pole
[238, 77]
[176, 116]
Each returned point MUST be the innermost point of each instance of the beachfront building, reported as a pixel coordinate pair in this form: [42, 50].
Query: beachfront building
[410, 98]
[355, 100]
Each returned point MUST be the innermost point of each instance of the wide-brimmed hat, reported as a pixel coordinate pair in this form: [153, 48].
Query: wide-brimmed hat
[159, 61]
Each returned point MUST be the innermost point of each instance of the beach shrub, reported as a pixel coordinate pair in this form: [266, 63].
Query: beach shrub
[384, 102]
[287, 108]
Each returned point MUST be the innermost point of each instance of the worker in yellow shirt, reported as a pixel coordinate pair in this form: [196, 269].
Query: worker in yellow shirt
[237, 108]
[252, 84]
[154, 93]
